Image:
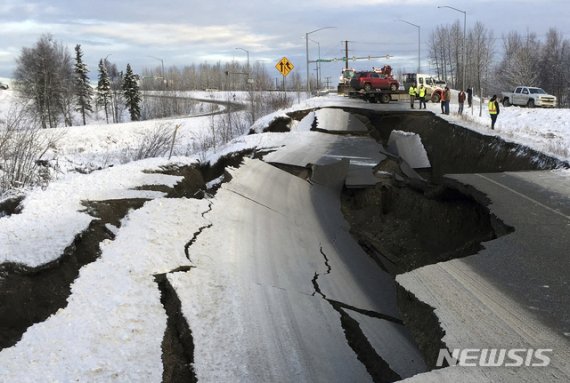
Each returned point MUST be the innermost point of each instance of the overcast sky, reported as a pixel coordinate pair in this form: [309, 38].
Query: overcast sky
[181, 32]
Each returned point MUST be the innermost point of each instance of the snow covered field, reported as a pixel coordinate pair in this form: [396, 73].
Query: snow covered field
[119, 285]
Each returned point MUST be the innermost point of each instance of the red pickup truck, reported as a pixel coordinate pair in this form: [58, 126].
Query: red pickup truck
[373, 80]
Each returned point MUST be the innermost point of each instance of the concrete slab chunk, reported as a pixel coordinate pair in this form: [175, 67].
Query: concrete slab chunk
[410, 148]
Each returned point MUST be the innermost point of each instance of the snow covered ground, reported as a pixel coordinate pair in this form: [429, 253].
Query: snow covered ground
[80, 342]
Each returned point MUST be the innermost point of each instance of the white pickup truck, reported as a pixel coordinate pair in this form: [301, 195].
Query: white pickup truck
[528, 96]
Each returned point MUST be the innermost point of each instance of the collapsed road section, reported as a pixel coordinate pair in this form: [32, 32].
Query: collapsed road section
[250, 300]
[394, 221]
[320, 263]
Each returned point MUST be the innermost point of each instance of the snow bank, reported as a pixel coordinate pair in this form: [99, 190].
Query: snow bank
[113, 325]
[51, 218]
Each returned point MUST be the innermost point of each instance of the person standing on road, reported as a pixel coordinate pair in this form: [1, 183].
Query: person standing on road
[461, 100]
[446, 98]
[493, 110]
[422, 96]
[470, 96]
[412, 93]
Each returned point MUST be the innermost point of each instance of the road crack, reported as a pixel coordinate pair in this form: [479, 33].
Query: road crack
[197, 233]
[178, 342]
[377, 367]
[254, 201]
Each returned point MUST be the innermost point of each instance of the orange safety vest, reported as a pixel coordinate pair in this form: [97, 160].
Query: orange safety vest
[492, 107]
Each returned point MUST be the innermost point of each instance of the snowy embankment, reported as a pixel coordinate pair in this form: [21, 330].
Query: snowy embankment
[51, 218]
[113, 325]
[544, 130]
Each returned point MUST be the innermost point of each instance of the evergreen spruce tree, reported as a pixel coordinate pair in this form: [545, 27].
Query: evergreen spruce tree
[132, 94]
[104, 88]
[83, 89]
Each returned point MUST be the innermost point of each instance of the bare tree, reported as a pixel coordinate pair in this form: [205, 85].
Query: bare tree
[116, 80]
[480, 45]
[554, 76]
[520, 63]
[455, 50]
[445, 51]
[44, 75]
[23, 145]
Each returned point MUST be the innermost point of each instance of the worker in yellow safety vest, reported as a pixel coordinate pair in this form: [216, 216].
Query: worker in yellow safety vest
[422, 96]
[493, 107]
[412, 92]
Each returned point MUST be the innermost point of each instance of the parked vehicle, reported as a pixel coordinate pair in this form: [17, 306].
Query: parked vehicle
[3, 86]
[434, 87]
[344, 80]
[529, 96]
[373, 80]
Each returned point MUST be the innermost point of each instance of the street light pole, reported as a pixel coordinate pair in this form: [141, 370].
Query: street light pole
[247, 65]
[318, 63]
[247, 82]
[307, 54]
[419, 44]
[162, 65]
[464, 40]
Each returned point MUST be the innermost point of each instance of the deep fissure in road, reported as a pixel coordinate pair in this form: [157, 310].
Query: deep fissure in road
[453, 149]
[177, 343]
[405, 223]
[403, 227]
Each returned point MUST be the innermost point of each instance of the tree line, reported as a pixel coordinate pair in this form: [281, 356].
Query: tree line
[55, 89]
[55, 85]
[526, 60]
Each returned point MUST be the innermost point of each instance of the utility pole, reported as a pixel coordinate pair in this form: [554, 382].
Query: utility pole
[346, 54]
[318, 64]
[162, 65]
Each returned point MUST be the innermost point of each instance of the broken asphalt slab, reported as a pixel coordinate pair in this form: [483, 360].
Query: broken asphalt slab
[262, 303]
[514, 293]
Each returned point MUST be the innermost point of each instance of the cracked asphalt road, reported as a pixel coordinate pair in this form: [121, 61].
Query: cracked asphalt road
[265, 274]
[251, 299]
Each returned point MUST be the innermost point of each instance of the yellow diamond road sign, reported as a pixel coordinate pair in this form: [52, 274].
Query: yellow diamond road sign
[284, 66]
